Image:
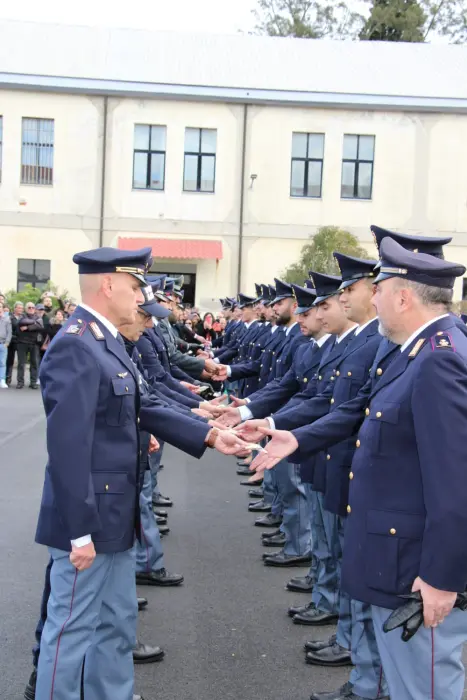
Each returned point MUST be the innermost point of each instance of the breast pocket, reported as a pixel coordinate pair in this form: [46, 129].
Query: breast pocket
[393, 549]
[121, 402]
[351, 380]
[383, 417]
[114, 503]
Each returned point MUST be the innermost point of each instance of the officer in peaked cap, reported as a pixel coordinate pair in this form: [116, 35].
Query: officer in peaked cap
[305, 296]
[326, 286]
[283, 291]
[354, 269]
[89, 510]
[413, 538]
[431, 245]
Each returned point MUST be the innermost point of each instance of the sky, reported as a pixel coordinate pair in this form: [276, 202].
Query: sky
[209, 16]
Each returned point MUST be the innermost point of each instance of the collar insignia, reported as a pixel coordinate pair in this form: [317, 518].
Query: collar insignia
[96, 331]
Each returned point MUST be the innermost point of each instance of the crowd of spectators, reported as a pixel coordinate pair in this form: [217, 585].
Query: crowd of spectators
[26, 330]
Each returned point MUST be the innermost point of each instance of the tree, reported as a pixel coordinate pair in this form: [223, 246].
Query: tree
[395, 20]
[318, 255]
[30, 293]
[307, 19]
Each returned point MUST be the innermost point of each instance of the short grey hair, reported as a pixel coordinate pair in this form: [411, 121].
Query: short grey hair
[428, 295]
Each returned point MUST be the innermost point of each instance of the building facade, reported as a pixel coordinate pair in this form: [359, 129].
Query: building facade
[226, 185]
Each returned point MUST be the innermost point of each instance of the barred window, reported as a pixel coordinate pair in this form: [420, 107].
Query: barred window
[149, 157]
[37, 153]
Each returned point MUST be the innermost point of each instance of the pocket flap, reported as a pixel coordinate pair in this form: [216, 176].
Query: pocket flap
[110, 482]
[123, 386]
[386, 412]
[395, 523]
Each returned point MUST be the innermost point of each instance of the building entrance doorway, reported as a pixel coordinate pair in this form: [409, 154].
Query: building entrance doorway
[189, 283]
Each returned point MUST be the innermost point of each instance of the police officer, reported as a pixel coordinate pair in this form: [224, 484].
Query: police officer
[89, 510]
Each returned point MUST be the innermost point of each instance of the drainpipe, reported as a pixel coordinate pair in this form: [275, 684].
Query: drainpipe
[242, 201]
[104, 162]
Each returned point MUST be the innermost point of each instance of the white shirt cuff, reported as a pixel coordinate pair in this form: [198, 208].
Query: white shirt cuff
[229, 370]
[248, 400]
[270, 420]
[216, 359]
[82, 541]
[245, 413]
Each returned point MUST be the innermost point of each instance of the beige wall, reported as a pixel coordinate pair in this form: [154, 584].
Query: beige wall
[420, 184]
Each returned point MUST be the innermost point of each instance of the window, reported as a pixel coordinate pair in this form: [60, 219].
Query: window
[307, 165]
[200, 160]
[35, 272]
[357, 167]
[37, 152]
[149, 157]
[1, 146]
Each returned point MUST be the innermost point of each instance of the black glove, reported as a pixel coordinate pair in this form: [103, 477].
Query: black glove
[410, 615]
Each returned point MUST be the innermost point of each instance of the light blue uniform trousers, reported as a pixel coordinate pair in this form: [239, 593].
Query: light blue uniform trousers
[328, 527]
[92, 614]
[293, 504]
[429, 666]
[149, 553]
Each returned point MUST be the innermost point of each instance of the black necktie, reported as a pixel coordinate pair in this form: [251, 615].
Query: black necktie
[120, 340]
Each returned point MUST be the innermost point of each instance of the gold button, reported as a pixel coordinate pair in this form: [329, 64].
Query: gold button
[126, 388]
[358, 443]
[349, 509]
[379, 371]
[392, 531]
[261, 364]
[138, 421]
[439, 333]
[379, 414]
[328, 457]
[338, 373]
[140, 453]
[305, 380]
[349, 374]
[332, 400]
[367, 411]
[332, 379]
[351, 476]
[140, 356]
[106, 487]
[320, 377]
[80, 321]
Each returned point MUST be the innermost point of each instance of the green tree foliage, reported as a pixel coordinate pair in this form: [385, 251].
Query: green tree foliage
[30, 293]
[395, 20]
[318, 254]
[307, 19]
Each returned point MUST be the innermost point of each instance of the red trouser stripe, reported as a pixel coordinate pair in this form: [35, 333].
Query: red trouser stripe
[61, 632]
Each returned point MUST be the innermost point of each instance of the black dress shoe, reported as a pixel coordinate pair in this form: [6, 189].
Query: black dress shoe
[242, 463]
[160, 513]
[142, 603]
[302, 584]
[160, 520]
[259, 507]
[316, 645]
[244, 471]
[161, 466]
[30, 690]
[144, 654]
[276, 541]
[247, 482]
[162, 502]
[268, 520]
[281, 559]
[297, 609]
[33, 386]
[335, 655]
[267, 535]
[316, 617]
[160, 577]
[20, 386]
[342, 692]
[256, 493]
[163, 530]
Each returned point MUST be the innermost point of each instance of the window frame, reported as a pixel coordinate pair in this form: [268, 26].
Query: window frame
[38, 148]
[34, 274]
[150, 152]
[357, 161]
[199, 165]
[307, 161]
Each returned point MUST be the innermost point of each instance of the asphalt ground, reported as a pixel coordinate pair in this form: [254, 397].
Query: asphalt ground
[225, 631]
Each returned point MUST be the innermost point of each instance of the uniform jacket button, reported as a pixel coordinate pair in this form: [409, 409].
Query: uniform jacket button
[392, 531]
[328, 457]
[349, 374]
[305, 380]
[379, 414]
[358, 443]
[332, 400]
[349, 509]
[351, 476]
[367, 411]
[320, 377]
[379, 371]
[338, 373]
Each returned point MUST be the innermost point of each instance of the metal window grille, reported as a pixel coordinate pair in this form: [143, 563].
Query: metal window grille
[357, 167]
[149, 153]
[306, 175]
[37, 153]
[199, 174]
[34, 272]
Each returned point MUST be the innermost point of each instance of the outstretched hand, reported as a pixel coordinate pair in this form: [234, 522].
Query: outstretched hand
[230, 444]
[281, 445]
[252, 430]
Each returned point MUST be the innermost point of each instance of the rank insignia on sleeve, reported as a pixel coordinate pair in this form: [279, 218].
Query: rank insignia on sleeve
[96, 331]
[442, 340]
[417, 347]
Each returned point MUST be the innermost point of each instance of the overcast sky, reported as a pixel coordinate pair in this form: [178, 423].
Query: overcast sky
[213, 16]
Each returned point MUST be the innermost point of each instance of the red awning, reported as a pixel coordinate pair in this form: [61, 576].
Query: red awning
[175, 247]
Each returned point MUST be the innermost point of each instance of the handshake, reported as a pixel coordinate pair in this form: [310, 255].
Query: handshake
[213, 370]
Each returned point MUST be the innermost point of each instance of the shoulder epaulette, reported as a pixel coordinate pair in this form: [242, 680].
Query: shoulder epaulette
[76, 328]
[442, 340]
[96, 331]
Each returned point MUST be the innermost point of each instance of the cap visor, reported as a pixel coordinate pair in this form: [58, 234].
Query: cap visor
[154, 309]
[140, 278]
[279, 298]
[319, 300]
[382, 276]
[302, 310]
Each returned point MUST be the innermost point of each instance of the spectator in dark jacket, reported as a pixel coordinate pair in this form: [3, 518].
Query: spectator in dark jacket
[18, 312]
[205, 328]
[53, 326]
[29, 327]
